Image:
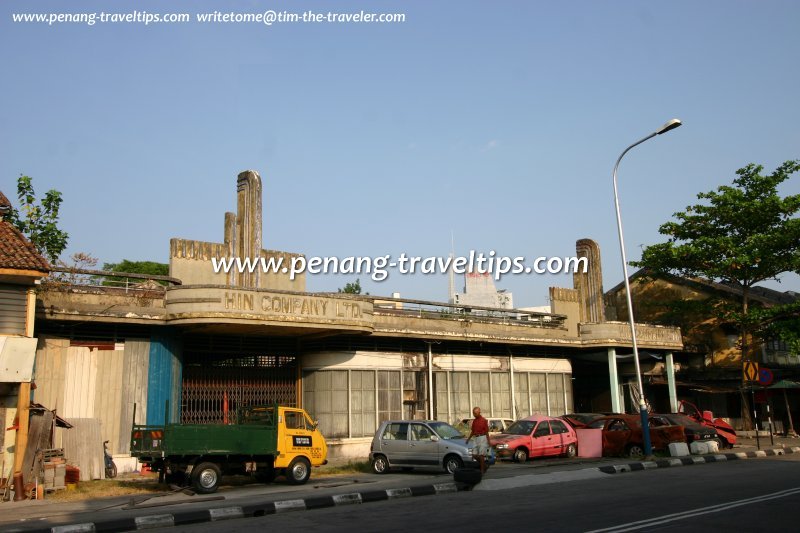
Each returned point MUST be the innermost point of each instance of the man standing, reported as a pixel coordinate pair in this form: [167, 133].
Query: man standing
[480, 430]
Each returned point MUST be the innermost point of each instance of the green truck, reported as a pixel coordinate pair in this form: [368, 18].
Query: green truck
[265, 441]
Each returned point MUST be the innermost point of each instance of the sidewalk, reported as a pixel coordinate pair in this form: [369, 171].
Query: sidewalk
[139, 511]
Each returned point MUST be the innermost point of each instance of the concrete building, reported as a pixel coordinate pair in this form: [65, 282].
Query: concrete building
[208, 343]
[479, 290]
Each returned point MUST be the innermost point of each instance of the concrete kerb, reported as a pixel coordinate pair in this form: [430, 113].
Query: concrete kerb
[254, 510]
[694, 460]
[282, 506]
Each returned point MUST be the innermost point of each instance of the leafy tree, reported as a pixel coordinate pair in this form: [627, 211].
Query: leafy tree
[151, 268]
[742, 235]
[39, 222]
[351, 288]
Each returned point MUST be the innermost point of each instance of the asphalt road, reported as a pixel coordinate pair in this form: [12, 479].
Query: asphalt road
[752, 495]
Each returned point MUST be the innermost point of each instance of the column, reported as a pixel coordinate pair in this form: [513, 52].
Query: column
[673, 395]
[616, 405]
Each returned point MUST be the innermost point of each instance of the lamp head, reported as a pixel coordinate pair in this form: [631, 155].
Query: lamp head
[671, 125]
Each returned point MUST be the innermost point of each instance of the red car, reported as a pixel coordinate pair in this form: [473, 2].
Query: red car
[536, 436]
[622, 435]
[727, 434]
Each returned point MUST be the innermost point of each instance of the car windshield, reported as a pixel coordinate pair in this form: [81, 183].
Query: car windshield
[521, 427]
[446, 431]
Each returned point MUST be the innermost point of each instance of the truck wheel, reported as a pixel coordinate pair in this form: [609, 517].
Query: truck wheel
[205, 478]
[299, 471]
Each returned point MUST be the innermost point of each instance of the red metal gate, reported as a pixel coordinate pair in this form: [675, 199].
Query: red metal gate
[214, 387]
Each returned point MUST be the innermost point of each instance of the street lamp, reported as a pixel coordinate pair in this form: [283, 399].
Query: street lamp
[671, 125]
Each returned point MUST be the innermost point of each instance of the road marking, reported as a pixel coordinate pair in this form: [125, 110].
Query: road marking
[664, 519]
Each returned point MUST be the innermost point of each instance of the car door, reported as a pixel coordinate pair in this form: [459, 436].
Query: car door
[561, 437]
[394, 443]
[541, 439]
[616, 437]
[299, 435]
[422, 451]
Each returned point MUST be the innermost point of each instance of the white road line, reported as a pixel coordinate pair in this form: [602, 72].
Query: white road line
[652, 522]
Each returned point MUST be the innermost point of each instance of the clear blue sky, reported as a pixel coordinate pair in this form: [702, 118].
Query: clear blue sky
[498, 121]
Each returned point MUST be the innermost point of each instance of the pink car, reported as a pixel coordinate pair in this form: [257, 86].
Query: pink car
[536, 436]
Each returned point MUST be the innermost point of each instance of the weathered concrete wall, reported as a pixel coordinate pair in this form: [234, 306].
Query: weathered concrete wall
[567, 302]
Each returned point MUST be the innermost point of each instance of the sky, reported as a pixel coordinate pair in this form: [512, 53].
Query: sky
[473, 124]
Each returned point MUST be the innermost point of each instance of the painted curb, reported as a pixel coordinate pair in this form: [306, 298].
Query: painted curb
[254, 510]
[695, 460]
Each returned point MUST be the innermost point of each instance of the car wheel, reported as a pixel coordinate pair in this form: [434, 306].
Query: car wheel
[380, 465]
[572, 451]
[720, 443]
[299, 471]
[635, 450]
[520, 455]
[205, 478]
[452, 463]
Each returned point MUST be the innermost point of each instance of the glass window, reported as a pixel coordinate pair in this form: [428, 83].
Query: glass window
[480, 392]
[617, 425]
[558, 427]
[389, 402]
[397, 431]
[420, 432]
[362, 403]
[325, 398]
[294, 420]
[555, 388]
[542, 430]
[538, 393]
[521, 427]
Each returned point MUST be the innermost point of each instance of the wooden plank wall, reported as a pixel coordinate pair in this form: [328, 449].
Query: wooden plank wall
[86, 383]
[83, 447]
[134, 389]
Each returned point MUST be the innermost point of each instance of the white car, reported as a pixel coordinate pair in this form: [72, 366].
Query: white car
[496, 425]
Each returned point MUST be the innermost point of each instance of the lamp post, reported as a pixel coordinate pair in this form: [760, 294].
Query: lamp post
[648, 448]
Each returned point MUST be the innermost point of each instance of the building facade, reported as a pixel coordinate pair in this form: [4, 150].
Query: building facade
[206, 343]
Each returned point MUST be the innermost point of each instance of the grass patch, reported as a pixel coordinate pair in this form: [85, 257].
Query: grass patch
[351, 467]
[106, 488]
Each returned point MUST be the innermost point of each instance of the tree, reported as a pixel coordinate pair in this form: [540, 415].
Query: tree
[39, 222]
[352, 288]
[151, 268]
[742, 235]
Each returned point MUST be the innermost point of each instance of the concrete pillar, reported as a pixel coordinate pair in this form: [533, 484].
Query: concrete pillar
[616, 404]
[673, 395]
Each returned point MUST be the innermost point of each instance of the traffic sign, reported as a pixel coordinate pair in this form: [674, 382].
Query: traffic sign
[750, 371]
[765, 377]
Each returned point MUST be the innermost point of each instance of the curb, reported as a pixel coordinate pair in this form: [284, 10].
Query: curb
[695, 460]
[253, 510]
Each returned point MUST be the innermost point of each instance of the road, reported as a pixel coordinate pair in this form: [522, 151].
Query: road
[752, 495]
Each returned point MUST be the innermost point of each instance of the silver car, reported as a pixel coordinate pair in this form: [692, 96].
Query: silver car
[418, 443]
